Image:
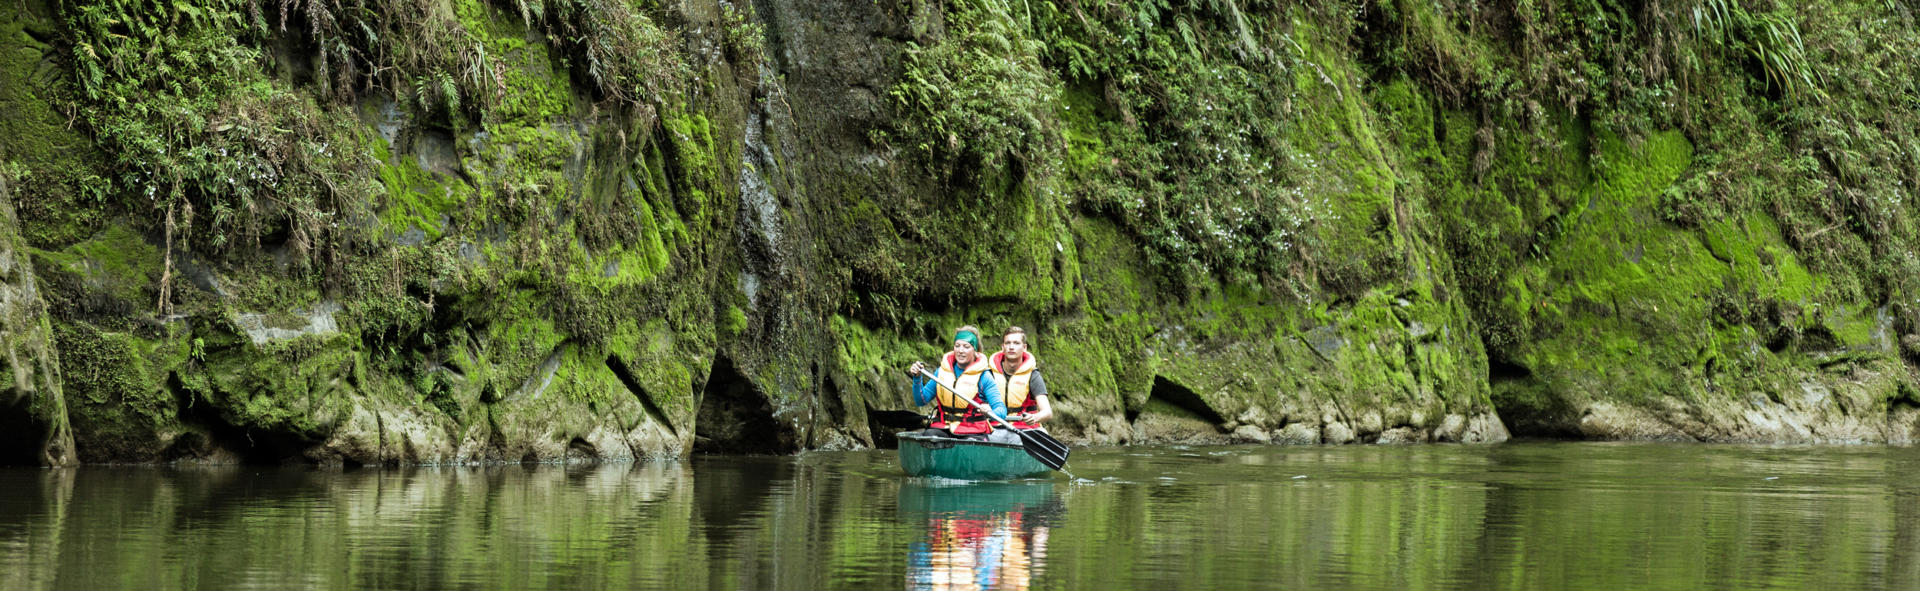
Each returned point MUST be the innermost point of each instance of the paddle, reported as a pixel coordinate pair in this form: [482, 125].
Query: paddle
[898, 419]
[1038, 443]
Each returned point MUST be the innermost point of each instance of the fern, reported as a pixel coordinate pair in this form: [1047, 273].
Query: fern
[1771, 40]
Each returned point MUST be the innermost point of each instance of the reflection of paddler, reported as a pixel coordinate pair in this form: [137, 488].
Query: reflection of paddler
[980, 553]
[979, 536]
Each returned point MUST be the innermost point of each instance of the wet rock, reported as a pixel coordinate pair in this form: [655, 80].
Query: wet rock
[34, 427]
[1299, 434]
[1608, 421]
[1485, 428]
[1452, 428]
[1338, 432]
[266, 328]
[1251, 434]
[1402, 436]
[1371, 423]
[1154, 427]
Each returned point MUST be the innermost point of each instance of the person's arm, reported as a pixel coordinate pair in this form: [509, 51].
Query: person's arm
[990, 390]
[1038, 390]
[923, 388]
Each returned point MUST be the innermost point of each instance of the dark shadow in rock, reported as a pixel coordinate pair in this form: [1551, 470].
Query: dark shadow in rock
[1527, 407]
[580, 448]
[830, 398]
[1183, 398]
[619, 367]
[21, 435]
[211, 431]
[736, 418]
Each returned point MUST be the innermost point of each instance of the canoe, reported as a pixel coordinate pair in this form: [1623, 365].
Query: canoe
[965, 459]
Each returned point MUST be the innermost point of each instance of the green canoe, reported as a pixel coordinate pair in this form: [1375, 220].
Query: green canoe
[963, 459]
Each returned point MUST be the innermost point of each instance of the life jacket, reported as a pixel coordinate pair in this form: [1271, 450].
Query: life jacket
[1014, 385]
[955, 415]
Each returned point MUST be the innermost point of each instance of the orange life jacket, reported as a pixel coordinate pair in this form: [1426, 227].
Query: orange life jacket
[955, 415]
[1014, 385]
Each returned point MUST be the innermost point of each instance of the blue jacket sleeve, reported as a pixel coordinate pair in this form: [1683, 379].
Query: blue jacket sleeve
[923, 390]
[990, 390]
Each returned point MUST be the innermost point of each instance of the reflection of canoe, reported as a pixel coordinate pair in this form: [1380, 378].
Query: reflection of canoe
[979, 535]
[976, 499]
[963, 459]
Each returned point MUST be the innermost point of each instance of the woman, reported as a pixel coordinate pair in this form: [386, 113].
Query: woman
[966, 369]
[1020, 383]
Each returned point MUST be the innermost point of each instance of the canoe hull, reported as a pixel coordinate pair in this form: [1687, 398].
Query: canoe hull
[960, 459]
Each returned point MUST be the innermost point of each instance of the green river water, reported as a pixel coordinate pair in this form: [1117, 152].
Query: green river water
[1510, 516]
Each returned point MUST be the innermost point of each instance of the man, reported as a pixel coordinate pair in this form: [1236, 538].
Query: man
[1021, 386]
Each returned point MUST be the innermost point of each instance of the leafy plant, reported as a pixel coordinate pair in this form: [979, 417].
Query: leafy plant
[194, 131]
[746, 38]
[1771, 39]
[628, 56]
[1181, 116]
[978, 98]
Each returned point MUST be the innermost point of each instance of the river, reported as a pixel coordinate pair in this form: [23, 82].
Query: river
[1508, 516]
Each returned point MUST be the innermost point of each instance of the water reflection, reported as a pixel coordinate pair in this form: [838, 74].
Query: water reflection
[1524, 516]
[235, 527]
[981, 535]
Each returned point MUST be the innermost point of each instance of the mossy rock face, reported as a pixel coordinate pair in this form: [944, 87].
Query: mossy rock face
[1637, 329]
[38, 165]
[57, 186]
[33, 407]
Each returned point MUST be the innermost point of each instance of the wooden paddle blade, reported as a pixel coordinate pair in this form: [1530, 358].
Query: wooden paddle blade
[898, 419]
[1043, 447]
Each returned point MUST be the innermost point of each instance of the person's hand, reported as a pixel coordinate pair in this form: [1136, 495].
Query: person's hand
[915, 369]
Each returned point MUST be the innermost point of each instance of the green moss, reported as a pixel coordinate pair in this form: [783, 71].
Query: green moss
[1409, 116]
[116, 262]
[584, 378]
[287, 388]
[1356, 216]
[735, 322]
[115, 386]
[532, 89]
[1079, 110]
[68, 193]
[1752, 248]
[664, 364]
[1020, 254]
[862, 349]
[417, 200]
[690, 136]
[526, 164]
[693, 138]
[635, 261]
[1633, 177]
[524, 336]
